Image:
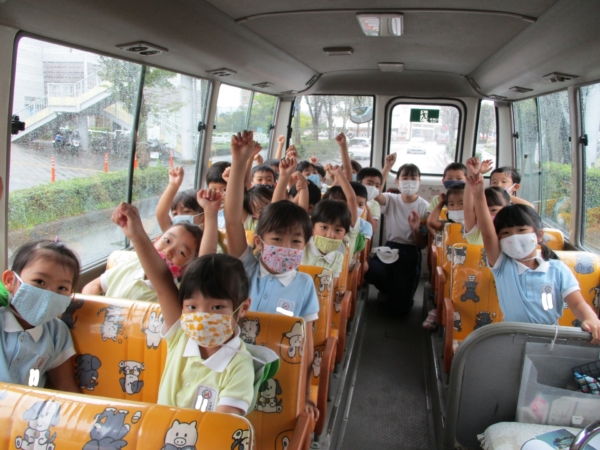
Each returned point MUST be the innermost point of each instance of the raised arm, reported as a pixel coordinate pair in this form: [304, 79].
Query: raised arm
[210, 200]
[486, 225]
[473, 168]
[128, 218]
[280, 144]
[287, 166]
[584, 313]
[346, 163]
[166, 199]
[255, 152]
[520, 201]
[242, 148]
[348, 192]
[415, 224]
[301, 198]
[433, 220]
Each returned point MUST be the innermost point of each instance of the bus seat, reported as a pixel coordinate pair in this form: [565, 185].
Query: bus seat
[586, 268]
[341, 307]
[278, 417]
[250, 237]
[554, 239]
[325, 344]
[453, 234]
[80, 421]
[353, 285]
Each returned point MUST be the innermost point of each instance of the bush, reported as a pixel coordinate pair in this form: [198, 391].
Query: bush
[63, 199]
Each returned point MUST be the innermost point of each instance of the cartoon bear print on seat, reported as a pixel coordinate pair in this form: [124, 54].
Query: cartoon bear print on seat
[113, 322]
[585, 264]
[181, 436]
[316, 366]
[131, 383]
[87, 371]
[41, 416]
[470, 293]
[483, 318]
[267, 401]
[240, 440]
[67, 316]
[152, 329]
[457, 321]
[460, 255]
[295, 335]
[249, 330]
[108, 430]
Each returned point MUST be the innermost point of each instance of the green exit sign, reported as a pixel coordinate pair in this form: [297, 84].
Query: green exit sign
[425, 115]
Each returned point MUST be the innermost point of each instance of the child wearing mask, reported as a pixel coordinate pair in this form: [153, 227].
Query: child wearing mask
[183, 205]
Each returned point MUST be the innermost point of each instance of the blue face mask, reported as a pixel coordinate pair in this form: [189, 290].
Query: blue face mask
[449, 183]
[353, 177]
[37, 306]
[185, 218]
[316, 179]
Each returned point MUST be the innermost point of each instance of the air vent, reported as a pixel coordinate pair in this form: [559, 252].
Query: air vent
[496, 97]
[555, 77]
[221, 72]
[473, 84]
[338, 51]
[263, 85]
[391, 67]
[520, 90]
[143, 48]
[312, 81]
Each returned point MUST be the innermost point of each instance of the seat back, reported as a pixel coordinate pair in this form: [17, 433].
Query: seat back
[453, 234]
[120, 353]
[340, 288]
[323, 280]
[250, 237]
[29, 417]
[473, 291]
[280, 399]
[554, 239]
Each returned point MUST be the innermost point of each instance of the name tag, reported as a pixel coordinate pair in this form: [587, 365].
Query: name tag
[547, 297]
[206, 399]
[285, 307]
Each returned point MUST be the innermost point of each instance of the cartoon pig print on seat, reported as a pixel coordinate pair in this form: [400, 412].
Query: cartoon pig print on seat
[131, 383]
[41, 416]
[181, 436]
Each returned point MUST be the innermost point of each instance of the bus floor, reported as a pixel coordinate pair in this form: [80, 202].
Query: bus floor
[378, 395]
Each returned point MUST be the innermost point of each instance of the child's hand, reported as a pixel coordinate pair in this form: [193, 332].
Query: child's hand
[226, 173]
[475, 183]
[300, 180]
[281, 139]
[242, 146]
[390, 160]
[414, 220]
[313, 159]
[291, 152]
[334, 171]
[210, 200]
[259, 159]
[287, 166]
[442, 199]
[592, 326]
[128, 218]
[311, 409]
[341, 140]
[176, 176]
[473, 165]
[486, 166]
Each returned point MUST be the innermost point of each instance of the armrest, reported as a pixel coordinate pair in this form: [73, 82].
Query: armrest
[353, 285]
[439, 292]
[327, 364]
[301, 435]
[341, 344]
[448, 333]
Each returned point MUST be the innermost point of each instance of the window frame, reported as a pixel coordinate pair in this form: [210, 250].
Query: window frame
[474, 152]
[438, 101]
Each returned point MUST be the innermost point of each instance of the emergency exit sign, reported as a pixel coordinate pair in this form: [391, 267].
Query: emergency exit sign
[425, 115]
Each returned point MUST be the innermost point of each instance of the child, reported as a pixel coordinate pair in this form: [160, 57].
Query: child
[406, 232]
[213, 291]
[183, 205]
[454, 200]
[508, 179]
[263, 175]
[367, 223]
[314, 195]
[532, 287]
[255, 200]
[281, 235]
[372, 179]
[177, 247]
[307, 169]
[214, 177]
[288, 174]
[454, 173]
[273, 163]
[35, 344]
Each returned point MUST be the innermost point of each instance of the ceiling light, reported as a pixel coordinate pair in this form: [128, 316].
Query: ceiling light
[520, 90]
[376, 24]
[143, 48]
[560, 77]
[264, 84]
[338, 51]
[391, 67]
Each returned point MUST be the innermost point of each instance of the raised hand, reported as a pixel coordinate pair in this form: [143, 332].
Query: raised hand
[300, 180]
[242, 146]
[176, 176]
[414, 220]
[473, 165]
[313, 160]
[486, 166]
[390, 160]
[128, 218]
[259, 159]
[341, 140]
[291, 152]
[334, 171]
[281, 139]
[287, 166]
[210, 200]
[475, 183]
[226, 173]
[442, 199]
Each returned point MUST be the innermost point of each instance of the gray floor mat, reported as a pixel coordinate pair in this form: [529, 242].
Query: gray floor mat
[389, 405]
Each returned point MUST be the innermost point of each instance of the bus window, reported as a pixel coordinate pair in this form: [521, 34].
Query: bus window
[261, 119]
[486, 144]
[318, 119]
[590, 102]
[425, 135]
[525, 116]
[69, 168]
[555, 149]
[172, 106]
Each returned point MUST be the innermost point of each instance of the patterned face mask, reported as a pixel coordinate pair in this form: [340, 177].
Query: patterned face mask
[281, 259]
[175, 270]
[327, 245]
[208, 329]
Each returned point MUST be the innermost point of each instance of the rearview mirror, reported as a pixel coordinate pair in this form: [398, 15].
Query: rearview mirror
[361, 114]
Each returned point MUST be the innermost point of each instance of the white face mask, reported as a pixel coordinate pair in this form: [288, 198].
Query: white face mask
[372, 192]
[509, 189]
[519, 246]
[456, 216]
[360, 212]
[408, 187]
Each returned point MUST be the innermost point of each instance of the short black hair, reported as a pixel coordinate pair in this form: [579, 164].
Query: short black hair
[284, 216]
[48, 250]
[455, 189]
[194, 230]
[187, 199]
[314, 193]
[355, 165]
[496, 196]
[332, 211]
[320, 170]
[256, 194]
[273, 162]
[510, 171]
[359, 189]
[217, 276]
[303, 165]
[335, 193]
[455, 166]
[215, 172]
[408, 170]
[368, 172]
[263, 168]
